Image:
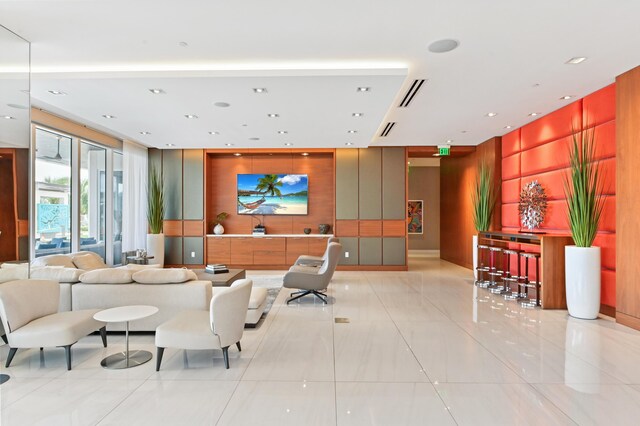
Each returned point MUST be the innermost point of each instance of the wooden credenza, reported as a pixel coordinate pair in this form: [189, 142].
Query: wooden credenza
[269, 251]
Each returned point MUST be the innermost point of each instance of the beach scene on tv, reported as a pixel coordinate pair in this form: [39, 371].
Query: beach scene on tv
[273, 194]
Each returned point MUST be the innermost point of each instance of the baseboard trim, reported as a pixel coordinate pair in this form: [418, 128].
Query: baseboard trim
[607, 310]
[628, 320]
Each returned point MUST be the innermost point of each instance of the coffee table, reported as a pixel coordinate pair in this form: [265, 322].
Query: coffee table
[126, 359]
[221, 280]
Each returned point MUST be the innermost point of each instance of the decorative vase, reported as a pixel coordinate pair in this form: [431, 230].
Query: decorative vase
[323, 228]
[474, 245]
[582, 281]
[155, 248]
[218, 229]
[307, 230]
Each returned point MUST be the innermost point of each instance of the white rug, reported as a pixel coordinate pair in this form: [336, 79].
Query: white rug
[273, 284]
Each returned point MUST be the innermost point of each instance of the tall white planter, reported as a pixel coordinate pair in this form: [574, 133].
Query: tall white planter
[582, 281]
[474, 244]
[155, 248]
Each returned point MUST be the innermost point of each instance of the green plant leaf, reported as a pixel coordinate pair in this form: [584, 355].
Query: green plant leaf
[155, 202]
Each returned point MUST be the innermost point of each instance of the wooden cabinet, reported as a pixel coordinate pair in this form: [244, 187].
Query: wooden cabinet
[242, 251]
[317, 246]
[296, 247]
[218, 250]
[268, 251]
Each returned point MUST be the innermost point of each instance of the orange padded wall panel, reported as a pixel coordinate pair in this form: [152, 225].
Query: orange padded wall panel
[539, 151]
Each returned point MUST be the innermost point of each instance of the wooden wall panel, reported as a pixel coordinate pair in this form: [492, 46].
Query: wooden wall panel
[172, 228]
[346, 228]
[370, 228]
[193, 228]
[628, 196]
[320, 170]
[394, 228]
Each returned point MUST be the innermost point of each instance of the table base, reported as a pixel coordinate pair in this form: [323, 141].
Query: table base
[119, 360]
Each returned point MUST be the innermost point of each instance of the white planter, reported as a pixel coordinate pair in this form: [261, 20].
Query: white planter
[582, 281]
[218, 229]
[155, 248]
[474, 244]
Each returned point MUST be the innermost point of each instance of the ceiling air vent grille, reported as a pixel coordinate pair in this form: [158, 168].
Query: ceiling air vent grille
[411, 93]
[387, 129]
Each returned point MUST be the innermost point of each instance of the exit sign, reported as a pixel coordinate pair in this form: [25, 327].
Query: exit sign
[443, 150]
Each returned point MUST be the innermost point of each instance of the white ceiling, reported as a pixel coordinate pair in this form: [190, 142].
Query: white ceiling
[506, 48]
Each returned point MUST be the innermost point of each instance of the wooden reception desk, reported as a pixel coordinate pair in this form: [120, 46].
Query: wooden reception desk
[551, 248]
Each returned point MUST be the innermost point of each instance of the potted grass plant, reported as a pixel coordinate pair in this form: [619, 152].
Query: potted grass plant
[484, 201]
[583, 187]
[155, 217]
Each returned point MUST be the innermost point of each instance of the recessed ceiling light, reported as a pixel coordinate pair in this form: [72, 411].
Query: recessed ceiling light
[534, 114]
[145, 133]
[222, 104]
[157, 91]
[190, 116]
[214, 133]
[352, 131]
[436, 154]
[305, 154]
[17, 106]
[288, 144]
[507, 127]
[443, 46]
[349, 143]
[357, 114]
[449, 140]
[170, 144]
[108, 116]
[244, 125]
[491, 114]
[8, 117]
[57, 92]
[228, 144]
[254, 139]
[273, 115]
[183, 44]
[565, 98]
[576, 60]
[363, 89]
[260, 90]
[463, 131]
[282, 132]
[237, 154]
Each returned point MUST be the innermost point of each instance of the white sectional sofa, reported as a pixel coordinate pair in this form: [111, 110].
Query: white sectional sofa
[95, 286]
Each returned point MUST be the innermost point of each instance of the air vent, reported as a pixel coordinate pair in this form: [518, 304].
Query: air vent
[387, 129]
[411, 93]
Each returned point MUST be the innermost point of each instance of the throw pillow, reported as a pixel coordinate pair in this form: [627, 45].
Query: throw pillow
[106, 276]
[54, 260]
[89, 262]
[164, 276]
[55, 273]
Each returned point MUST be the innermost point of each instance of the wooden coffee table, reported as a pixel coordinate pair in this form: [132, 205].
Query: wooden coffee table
[221, 280]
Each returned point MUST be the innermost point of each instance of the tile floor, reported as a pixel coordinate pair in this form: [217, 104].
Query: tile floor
[421, 347]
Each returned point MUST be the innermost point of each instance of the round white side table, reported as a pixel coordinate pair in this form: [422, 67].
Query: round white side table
[126, 359]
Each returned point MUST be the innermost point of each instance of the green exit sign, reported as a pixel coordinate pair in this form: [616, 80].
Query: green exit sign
[444, 150]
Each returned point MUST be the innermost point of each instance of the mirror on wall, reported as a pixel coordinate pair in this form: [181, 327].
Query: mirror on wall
[15, 157]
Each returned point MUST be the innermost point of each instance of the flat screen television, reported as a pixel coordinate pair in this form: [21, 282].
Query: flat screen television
[262, 194]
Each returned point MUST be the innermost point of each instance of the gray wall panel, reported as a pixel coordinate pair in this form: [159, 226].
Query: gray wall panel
[173, 250]
[155, 159]
[193, 197]
[346, 183]
[370, 183]
[349, 244]
[393, 183]
[370, 251]
[393, 250]
[172, 171]
[195, 245]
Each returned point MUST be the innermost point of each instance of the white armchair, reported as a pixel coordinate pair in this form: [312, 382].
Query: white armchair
[316, 261]
[218, 328]
[312, 280]
[29, 312]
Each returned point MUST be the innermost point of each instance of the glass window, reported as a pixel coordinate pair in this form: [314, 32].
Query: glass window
[93, 209]
[52, 193]
[118, 189]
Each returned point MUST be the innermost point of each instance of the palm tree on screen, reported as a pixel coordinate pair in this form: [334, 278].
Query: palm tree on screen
[268, 185]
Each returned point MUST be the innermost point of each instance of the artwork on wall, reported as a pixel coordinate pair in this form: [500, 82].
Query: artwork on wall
[273, 194]
[414, 216]
[532, 206]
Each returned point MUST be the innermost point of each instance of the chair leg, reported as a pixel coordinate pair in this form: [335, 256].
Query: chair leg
[239, 347]
[225, 354]
[159, 358]
[304, 293]
[4, 339]
[12, 353]
[103, 335]
[320, 296]
[67, 352]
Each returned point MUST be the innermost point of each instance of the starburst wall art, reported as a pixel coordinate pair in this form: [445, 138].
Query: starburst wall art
[533, 205]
